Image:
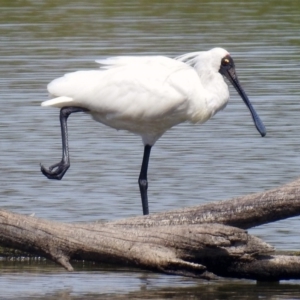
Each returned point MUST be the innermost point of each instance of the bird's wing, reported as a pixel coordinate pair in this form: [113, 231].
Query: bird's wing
[150, 89]
[117, 61]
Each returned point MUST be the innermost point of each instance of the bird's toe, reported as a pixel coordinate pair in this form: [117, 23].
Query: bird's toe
[56, 171]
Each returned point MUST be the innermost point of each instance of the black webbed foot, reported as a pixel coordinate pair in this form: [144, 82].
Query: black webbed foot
[56, 171]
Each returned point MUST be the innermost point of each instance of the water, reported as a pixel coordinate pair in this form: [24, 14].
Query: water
[189, 165]
[100, 282]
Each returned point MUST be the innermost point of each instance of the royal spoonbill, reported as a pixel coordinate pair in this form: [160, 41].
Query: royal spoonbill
[146, 95]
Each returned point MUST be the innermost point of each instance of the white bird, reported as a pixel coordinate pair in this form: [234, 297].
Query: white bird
[146, 95]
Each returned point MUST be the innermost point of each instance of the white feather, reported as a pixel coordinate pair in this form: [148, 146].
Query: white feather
[146, 95]
[57, 102]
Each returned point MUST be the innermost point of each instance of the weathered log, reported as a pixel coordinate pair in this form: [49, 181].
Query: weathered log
[242, 212]
[170, 249]
[187, 241]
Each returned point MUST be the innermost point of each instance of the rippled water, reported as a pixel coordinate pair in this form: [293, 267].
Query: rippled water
[190, 164]
[29, 281]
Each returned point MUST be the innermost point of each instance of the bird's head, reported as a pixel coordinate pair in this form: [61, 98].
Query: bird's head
[227, 69]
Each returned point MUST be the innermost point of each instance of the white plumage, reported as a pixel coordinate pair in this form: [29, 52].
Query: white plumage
[147, 95]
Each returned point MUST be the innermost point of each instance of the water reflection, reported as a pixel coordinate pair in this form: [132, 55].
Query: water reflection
[41, 40]
[44, 280]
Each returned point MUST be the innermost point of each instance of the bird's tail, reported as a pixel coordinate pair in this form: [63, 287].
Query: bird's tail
[58, 102]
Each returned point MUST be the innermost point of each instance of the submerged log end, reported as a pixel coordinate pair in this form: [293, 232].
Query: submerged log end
[63, 260]
[185, 268]
[267, 268]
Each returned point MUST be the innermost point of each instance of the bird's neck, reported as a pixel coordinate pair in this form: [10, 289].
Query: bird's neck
[216, 95]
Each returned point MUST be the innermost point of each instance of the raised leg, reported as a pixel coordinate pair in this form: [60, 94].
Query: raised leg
[143, 182]
[57, 171]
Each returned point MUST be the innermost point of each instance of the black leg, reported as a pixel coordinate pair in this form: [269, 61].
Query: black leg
[143, 183]
[57, 171]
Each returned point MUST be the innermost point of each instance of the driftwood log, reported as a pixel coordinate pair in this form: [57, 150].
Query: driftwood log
[205, 241]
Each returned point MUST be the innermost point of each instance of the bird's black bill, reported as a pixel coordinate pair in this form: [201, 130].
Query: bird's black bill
[228, 71]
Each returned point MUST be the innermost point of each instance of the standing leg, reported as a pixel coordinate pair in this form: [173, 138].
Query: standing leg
[57, 171]
[143, 183]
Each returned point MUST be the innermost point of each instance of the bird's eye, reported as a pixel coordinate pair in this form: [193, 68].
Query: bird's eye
[225, 61]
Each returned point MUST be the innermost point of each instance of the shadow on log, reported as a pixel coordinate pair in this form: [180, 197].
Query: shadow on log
[205, 241]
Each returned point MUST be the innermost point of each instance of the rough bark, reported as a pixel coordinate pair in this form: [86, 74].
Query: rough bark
[198, 241]
[242, 212]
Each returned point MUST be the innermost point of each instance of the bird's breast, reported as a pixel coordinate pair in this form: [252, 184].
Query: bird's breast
[206, 104]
